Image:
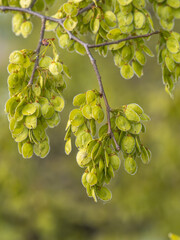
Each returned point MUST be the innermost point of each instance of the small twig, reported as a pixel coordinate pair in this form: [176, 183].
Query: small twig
[102, 92]
[38, 51]
[122, 40]
[87, 8]
[32, 4]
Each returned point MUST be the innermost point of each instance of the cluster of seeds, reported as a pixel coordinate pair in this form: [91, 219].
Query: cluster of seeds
[167, 11]
[127, 17]
[97, 153]
[169, 58]
[21, 24]
[32, 108]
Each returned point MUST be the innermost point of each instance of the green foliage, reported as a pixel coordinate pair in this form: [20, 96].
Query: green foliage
[36, 81]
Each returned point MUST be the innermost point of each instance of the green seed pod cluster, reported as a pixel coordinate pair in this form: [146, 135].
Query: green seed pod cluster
[33, 108]
[99, 160]
[169, 57]
[21, 25]
[167, 11]
[98, 155]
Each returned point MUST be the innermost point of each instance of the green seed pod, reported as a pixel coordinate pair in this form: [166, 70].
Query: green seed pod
[83, 180]
[172, 45]
[130, 165]
[115, 34]
[135, 107]
[127, 71]
[127, 53]
[122, 123]
[47, 111]
[103, 193]
[140, 57]
[145, 117]
[17, 20]
[16, 57]
[88, 16]
[42, 149]
[70, 9]
[110, 171]
[101, 165]
[135, 128]
[70, 23]
[94, 25]
[82, 139]
[27, 150]
[79, 99]
[68, 146]
[128, 144]
[76, 118]
[29, 109]
[92, 127]
[107, 159]
[31, 122]
[22, 136]
[79, 48]
[95, 150]
[144, 155]
[91, 178]
[115, 162]
[82, 158]
[90, 96]
[18, 127]
[25, 3]
[55, 68]
[132, 115]
[138, 69]
[139, 19]
[87, 111]
[97, 113]
[54, 120]
[58, 103]
[45, 61]
[110, 18]
[26, 28]
[39, 133]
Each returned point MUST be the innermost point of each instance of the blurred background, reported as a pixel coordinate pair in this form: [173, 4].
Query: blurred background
[43, 199]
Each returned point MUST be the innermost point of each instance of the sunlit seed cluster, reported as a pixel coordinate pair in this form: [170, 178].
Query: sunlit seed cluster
[33, 108]
[97, 152]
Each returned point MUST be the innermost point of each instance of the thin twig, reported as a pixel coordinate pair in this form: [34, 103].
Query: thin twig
[38, 51]
[87, 8]
[32, 4]
[122, 40]
[102, 92]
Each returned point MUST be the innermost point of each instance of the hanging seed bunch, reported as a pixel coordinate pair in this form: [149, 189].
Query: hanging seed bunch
[169, 57]
[167, 11]
[32, 108]
[98, 155]
[21, 23]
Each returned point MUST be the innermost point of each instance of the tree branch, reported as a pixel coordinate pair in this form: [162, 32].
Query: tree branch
[87, 8]
[102, 92]
[38, 51]
[32, 4]
[122, 40]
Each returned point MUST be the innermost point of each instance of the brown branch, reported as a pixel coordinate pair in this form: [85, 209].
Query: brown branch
[32, 4]
[87, 8]
[122, 40]
[102, 92]
[38, 51]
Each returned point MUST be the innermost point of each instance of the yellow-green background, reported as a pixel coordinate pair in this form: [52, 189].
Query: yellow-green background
[43, 199]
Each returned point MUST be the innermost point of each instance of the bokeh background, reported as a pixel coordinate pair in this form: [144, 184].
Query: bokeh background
[43, 199]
